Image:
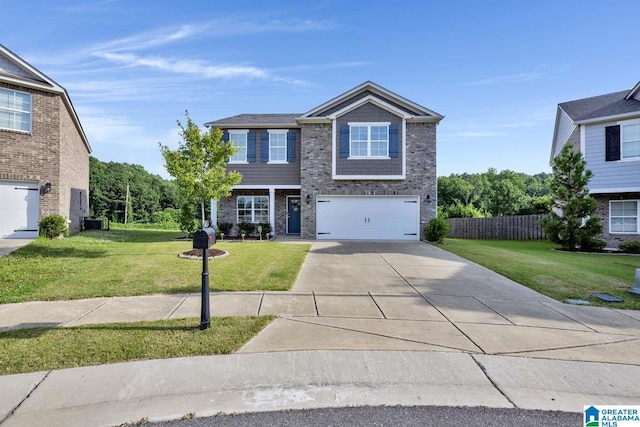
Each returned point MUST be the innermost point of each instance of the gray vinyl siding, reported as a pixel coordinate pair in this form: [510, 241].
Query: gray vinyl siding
[607, 175]
[565, 130]
[369, 113]
[262, 173]
[359, 96]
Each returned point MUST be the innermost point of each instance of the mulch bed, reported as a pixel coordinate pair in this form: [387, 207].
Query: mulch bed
[197, 254]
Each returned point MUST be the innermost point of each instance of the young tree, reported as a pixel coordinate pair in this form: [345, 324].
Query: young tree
[571, 223]
[199, 164]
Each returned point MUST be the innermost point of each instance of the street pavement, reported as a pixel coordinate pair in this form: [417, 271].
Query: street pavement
[367, 323]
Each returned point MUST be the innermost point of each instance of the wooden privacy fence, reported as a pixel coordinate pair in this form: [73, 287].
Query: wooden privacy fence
[520, 227]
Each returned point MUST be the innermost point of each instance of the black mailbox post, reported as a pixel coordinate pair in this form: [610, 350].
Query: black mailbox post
[204, 239]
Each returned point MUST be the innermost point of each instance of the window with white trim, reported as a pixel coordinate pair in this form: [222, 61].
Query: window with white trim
[239, 138]
[369, 140]
[630, 140]
[253, 209]
[15, 110]
[623, 216]
[278, 146]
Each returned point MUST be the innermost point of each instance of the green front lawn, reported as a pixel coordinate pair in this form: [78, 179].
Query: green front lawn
[138, 262]
[558, 274]
[44, 349]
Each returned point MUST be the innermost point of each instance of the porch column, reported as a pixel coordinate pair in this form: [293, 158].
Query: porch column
[272, 209]
[214, 213]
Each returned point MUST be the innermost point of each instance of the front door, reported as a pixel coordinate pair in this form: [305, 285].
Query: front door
[293, 214]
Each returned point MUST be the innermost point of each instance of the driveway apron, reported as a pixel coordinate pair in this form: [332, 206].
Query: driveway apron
[416, 296]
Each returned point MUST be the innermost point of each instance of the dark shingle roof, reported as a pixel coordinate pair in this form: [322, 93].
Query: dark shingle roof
[610, 104]
[255, 120]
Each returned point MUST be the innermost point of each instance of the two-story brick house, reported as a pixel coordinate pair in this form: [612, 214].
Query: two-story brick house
[44, 161]
[360, 166]
[606, 130]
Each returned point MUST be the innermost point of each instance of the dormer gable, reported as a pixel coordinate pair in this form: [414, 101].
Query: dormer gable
[369, 92]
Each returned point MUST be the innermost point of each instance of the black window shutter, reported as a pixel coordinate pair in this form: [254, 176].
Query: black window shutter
[612, 137]
[264, 147]
[251, 147]
[225, 136]
[291, 146]
[344, 141]
[394, 146]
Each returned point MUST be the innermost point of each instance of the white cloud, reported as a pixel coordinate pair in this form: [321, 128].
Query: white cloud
[186, 66]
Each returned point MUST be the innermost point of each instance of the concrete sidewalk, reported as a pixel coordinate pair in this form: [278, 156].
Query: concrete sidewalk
[366, 324]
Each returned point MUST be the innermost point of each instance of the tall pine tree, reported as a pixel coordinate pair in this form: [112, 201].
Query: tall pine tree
[571, 223]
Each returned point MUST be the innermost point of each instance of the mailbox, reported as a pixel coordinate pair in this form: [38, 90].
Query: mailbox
[204, 239]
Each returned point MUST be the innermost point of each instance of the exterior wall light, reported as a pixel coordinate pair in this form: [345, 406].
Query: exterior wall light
[308, 199]
[46, 188]
[428, 198]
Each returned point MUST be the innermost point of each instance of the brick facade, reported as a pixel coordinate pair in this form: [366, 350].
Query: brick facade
[52, 152]
[602, 211]
[316, 178]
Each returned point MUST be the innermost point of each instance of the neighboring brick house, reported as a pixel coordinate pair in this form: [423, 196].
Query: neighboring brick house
[360, 166]
[606, 130]
[44, 162]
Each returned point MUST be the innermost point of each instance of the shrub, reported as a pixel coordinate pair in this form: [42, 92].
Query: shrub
[225, 227]
[266, 228]
[53, 226]
[592, 245]
[246, 228]
[632, 247]
[436, 230]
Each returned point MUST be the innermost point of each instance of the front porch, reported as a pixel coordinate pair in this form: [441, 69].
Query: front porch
[279, 206]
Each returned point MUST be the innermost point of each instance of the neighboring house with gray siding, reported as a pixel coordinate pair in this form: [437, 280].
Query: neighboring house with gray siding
[360, 166]
[44, 162]
[606, 130]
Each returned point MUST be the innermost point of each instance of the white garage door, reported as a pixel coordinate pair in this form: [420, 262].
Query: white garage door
[19, 210]
[368, 218]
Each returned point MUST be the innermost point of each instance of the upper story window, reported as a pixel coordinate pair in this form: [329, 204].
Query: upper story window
[623, 216]
[369, 140]
[239, 138]
[630, 139]
[15, 110]
[277, 146]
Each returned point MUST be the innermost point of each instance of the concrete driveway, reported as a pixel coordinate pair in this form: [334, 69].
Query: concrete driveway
[9, 245]
[415, 296]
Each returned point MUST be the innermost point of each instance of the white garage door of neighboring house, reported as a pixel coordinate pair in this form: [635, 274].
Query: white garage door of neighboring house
[19, 210]
[368, 218]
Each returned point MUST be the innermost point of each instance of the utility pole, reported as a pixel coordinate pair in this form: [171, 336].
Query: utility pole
[126, 204]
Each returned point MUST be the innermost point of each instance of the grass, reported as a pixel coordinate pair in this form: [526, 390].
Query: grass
[43, 349]
[100, 263]
[557, 274]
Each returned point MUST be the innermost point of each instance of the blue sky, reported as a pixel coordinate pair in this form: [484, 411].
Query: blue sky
[495, 69]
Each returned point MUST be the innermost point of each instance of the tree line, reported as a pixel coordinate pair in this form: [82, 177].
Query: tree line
[493, 193]
[154, 199]
[151, 198]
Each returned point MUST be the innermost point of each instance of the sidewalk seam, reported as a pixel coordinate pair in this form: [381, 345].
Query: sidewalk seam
[376, 303]
[178, 306]
[315, 303]
[486, 374]
[549, 306]
[13, 411]
[82, 316]
[260, 303]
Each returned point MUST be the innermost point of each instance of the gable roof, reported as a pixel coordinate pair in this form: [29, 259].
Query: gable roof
[374, 92]
[17, 71]
[255, 120]
[600, 107]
